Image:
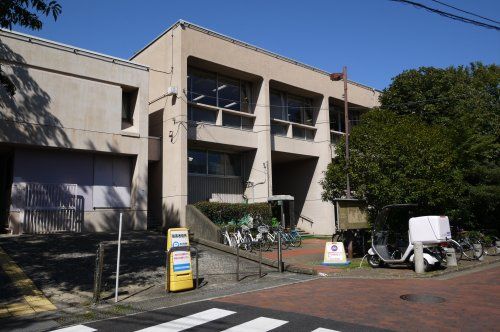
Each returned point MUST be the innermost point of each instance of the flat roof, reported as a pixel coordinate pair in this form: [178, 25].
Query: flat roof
[72, 49]
[244, 44]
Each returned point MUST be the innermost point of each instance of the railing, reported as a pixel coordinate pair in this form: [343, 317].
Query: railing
[309, 220]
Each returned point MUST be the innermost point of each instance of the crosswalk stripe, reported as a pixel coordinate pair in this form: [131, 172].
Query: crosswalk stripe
[260, 324]
[189, 321]
[76, 328]
[322, 329]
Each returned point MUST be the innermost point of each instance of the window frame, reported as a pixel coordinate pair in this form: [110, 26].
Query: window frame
[225, 158]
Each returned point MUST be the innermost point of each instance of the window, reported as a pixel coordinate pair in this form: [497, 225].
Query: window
[202, 87]
[278, 129]
[216, 163]
[213, 163]
[299, 132]
[217, 90]
[201, 114]
[237, 121]
[129, 98]
[337, 118]
[277, 100]
[197, 161]
[291, 108]
[228, 93]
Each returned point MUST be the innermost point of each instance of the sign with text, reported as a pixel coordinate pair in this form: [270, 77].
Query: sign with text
[335, 254]
[180, 276]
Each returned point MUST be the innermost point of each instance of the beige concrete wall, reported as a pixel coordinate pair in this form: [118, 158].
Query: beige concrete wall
[193, 44]
[71, 98]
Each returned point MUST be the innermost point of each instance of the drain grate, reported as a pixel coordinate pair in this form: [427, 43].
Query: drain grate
[422, 298]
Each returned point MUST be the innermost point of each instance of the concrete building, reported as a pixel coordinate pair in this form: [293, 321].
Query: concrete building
[245, 123]
[73, 138]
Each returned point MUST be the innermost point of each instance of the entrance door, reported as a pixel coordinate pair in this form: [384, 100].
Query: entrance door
[6, 166]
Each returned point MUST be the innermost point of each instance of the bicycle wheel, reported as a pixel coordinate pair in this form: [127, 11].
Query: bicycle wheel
[296, 239]
[468, 249]
[458, 248]
[285, 243]
[490, 247]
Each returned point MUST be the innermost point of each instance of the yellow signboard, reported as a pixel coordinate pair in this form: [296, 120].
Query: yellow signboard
[335, 254]
[180, 275]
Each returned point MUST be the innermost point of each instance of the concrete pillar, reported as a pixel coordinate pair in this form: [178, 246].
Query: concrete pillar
[322, 213]
[418, 259]
[174, 153]
[451, 257]
[260, 174]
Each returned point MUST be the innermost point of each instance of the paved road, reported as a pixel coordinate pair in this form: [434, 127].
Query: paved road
[217, 316]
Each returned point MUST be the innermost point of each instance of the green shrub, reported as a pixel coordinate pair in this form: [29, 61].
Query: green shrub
[223, 213]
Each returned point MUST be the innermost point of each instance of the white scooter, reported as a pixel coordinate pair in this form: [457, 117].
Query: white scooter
[395, 230]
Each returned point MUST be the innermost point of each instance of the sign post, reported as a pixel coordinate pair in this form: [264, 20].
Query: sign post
[118, 256]
[335, 254]
[179, 273]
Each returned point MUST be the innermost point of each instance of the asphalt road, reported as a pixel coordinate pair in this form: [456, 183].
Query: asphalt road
[217, 316]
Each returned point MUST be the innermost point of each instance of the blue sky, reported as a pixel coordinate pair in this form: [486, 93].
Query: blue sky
[376, 39]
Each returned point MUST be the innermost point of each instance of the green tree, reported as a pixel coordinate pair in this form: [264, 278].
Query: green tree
[435, 141]
[24, 13]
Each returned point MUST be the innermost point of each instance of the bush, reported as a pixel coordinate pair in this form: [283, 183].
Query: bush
[223, 213]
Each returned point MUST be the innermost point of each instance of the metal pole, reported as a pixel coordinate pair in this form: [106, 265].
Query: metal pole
[346, 119]
[168, 271]
[197, 279]
[418, 259]
[118, 257]
[280, 257]
[260, 259]
[237, 262]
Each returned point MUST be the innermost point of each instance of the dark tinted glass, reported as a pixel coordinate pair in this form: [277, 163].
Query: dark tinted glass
[229, 93]
[278, 129]
[197, 161]
[299, 133]
[201, 115]
[233, 165]
[202, 87]
[215, 163]
[231, 120]
[277, 105]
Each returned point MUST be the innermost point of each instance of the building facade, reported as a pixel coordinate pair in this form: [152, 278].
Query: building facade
[239, 123]
[73, 138]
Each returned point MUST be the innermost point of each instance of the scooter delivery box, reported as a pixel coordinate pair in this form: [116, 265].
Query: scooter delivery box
[429, 229]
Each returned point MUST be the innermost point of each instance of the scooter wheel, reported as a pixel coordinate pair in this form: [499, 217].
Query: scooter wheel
[374, 261]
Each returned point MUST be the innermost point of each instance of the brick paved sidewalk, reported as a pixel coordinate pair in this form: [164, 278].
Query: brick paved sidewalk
[472, 301]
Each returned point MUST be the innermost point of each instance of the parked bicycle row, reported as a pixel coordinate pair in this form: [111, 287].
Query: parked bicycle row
[249, 234]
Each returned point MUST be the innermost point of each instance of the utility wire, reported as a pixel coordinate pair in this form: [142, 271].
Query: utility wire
[449, 15]
[464, 11]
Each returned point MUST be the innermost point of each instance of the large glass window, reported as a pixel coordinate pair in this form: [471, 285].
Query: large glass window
[233, 165]
[201, 115]
[291, 108]
[228, 93]
[337, 118]
[218, 90]
[277, 100]
[214, 163]
[197, 161]
[202, 87]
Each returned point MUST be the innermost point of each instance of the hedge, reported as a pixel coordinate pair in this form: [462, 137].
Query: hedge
[223, 213]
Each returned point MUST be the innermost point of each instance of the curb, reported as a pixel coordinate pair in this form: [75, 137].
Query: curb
[255, 258]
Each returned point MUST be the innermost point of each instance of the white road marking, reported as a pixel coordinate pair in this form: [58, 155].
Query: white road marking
[189, 321]
[260, 324]
[76, 328]
[321, 329]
